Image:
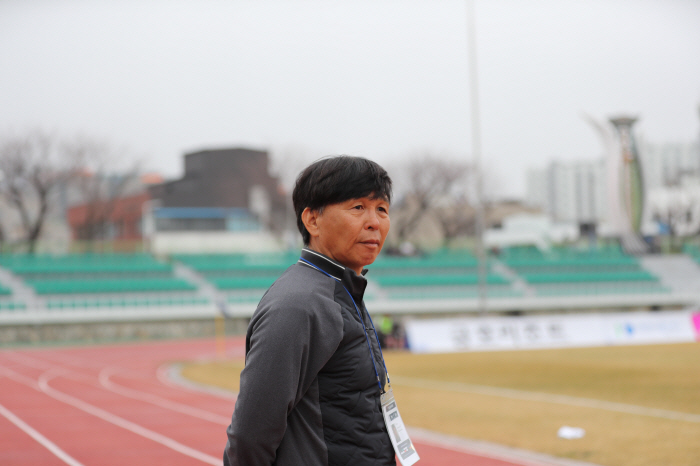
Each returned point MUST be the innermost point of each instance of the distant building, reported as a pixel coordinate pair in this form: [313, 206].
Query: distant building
[525, 229]
[226, 178]
[676, 209]
[569, 191]
[108, 207]
[226, 201]
[116, 219]
[665, 165]
[672, 175]
[576, 191]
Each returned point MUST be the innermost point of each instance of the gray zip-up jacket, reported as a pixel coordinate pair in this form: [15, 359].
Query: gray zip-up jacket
[309, 394]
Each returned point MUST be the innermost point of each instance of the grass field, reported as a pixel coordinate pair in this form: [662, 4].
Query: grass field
[521, 399]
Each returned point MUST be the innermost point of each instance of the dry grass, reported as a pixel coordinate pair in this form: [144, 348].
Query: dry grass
[660, 376]
[223, 374]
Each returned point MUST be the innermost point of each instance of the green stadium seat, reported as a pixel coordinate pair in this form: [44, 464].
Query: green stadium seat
[48, 287]
[437, 280]
[636, 276]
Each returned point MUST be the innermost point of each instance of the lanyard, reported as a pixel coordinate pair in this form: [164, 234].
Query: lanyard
[371, 354]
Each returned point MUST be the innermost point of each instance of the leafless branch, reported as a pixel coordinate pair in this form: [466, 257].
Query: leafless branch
[100, 183]
[32, 166]
[430, 181]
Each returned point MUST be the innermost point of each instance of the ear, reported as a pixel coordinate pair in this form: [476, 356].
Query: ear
[310, 219]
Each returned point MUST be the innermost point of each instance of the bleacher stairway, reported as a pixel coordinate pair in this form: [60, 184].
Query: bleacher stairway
[21, 295]
[677, 272]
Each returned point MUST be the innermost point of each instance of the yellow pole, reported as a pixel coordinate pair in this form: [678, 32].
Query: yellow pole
[220, 334]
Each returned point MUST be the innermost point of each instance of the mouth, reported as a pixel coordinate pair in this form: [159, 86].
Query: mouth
[372, 243]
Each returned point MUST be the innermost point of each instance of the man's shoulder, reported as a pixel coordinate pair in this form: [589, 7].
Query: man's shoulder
[299, 289]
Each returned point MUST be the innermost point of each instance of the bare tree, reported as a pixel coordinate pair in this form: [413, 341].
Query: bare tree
[456, 219]
[285, 164]
[459, 216]
[431, 185]
[31, 168]
[99, 184]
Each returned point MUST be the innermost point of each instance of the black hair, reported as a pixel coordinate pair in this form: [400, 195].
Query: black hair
[335, 179]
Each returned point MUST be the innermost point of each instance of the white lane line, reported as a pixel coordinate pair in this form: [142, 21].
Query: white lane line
[546, 397]
[109, 417]
[123, 423]
[58, 370]
[105, 381]
[46, 443]
[12, 375]
[29, 361]
[71, 360]
[166, 374]
[41, 363]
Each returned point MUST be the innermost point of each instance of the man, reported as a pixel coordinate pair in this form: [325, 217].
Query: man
[310, 390]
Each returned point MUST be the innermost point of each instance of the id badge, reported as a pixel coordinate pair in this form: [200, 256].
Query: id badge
[402, 444]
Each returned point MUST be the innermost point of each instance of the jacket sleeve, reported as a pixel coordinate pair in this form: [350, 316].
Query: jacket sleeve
[290, 340]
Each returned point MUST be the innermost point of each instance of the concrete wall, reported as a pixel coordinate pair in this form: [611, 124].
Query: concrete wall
[104, 332]
[203, 242]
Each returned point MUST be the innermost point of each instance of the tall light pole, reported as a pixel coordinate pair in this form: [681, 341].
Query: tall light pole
[476, 155]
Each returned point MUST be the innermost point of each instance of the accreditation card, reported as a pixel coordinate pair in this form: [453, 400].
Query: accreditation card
[402, 444]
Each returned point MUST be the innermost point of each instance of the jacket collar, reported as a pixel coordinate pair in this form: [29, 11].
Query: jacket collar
[354, 283]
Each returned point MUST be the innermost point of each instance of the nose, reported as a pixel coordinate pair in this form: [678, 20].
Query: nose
[372, 221]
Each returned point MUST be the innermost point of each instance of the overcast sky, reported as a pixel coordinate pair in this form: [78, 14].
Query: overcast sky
[385, 79]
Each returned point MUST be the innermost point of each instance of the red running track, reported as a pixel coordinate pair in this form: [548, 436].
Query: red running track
[114, 405]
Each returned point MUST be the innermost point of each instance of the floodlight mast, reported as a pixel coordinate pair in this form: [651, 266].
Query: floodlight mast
[476, 155]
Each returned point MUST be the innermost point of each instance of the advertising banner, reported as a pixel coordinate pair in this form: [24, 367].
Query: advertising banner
[653, 327]
[550, 331]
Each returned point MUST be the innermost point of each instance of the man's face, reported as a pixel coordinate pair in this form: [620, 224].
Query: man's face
[351, 232]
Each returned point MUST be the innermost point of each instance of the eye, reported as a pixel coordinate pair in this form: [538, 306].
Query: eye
[358, 207]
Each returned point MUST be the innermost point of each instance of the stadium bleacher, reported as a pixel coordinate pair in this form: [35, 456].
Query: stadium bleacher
[98, 280]
[12, 306]
[83, 281]
[568, 271]
[442, 274]
[241, 278]
[111, 285]
[125, 301]
[693, 251]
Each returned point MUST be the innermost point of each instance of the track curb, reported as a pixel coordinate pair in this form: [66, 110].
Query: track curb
[491, 450]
